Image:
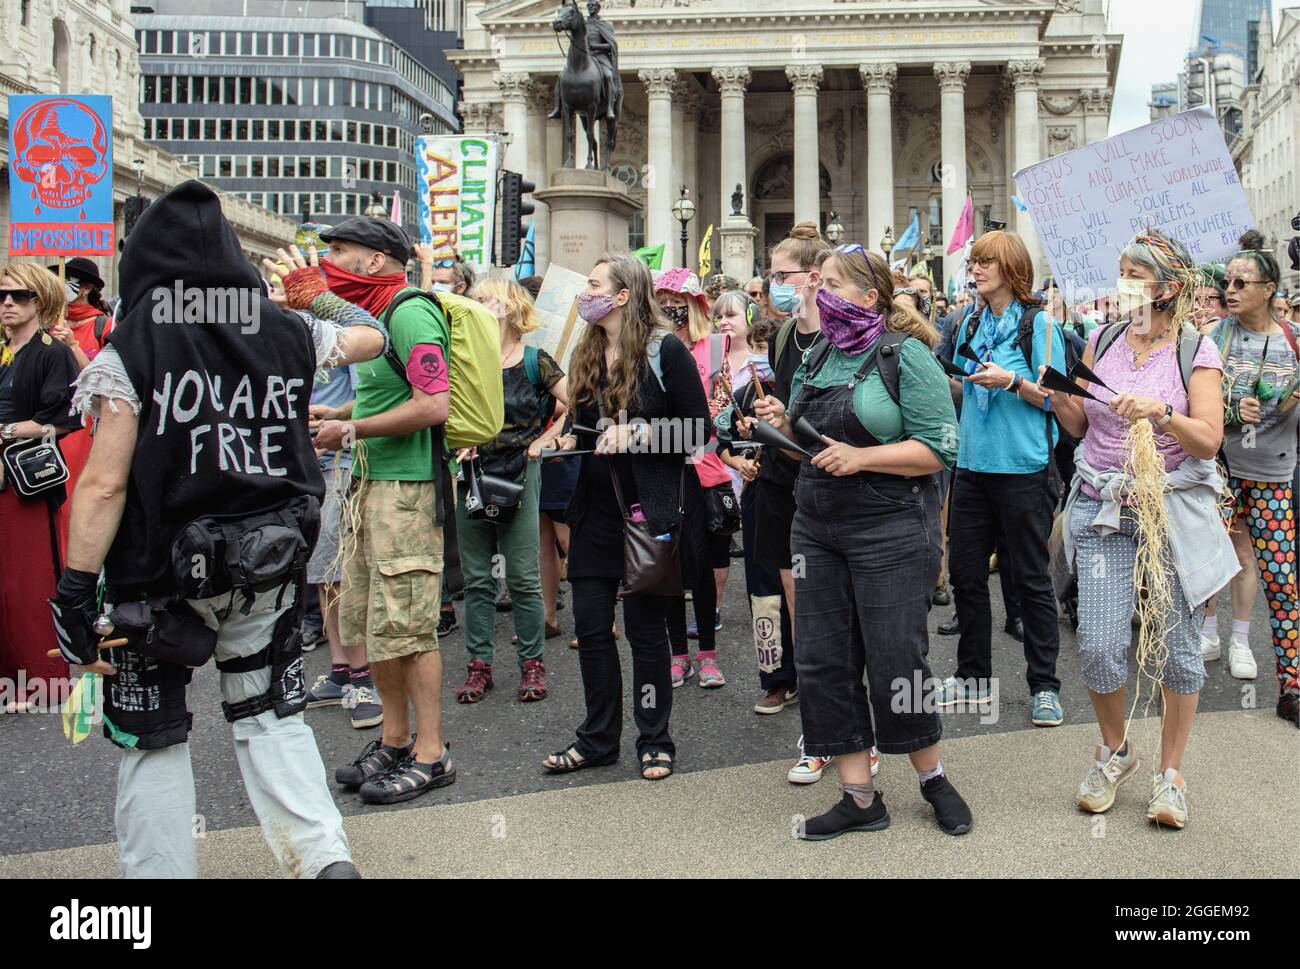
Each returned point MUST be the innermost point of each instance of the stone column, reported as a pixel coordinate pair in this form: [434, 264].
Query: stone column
[514, 94]
[1096, 117]
[732, 82]
[539, 105]
[1025, 76]
[952, 87]
[878, 79]
[660, 227]
[690, 162]
[477, 116]
[807, 167]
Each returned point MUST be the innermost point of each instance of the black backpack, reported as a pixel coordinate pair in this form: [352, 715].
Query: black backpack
[884, 359]
[1187, 349]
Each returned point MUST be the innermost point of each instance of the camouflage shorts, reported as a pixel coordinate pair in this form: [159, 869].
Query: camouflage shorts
[392, 578]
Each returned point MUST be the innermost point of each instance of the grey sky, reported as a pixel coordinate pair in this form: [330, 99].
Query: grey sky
[1157, 34]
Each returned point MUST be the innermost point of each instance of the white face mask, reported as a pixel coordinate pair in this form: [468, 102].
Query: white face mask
[442, 287]
[1131, 296]
[72, 286]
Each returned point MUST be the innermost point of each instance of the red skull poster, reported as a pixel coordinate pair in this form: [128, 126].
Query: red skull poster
[61, 175]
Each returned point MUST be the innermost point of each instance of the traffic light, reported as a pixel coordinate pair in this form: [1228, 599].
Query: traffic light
[513, 209]
[132, 209]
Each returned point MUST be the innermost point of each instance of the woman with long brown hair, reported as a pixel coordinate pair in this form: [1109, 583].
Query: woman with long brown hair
[637, 384]
[1005, 485]
[866, 531]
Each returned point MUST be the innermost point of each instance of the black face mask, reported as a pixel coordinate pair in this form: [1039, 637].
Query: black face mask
[676, 315]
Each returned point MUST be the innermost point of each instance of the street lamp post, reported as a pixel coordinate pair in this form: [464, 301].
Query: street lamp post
[684, 211]
[376, 209]
[887, 242]
[834, 231]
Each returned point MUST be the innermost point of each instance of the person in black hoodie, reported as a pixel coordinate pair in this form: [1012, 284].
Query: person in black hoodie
[207, 382]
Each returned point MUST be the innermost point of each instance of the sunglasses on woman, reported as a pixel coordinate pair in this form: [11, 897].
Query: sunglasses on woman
[21, 297]
[1239, 284]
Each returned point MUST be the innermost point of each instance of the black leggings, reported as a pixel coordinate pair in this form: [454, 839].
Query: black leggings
[704, 593]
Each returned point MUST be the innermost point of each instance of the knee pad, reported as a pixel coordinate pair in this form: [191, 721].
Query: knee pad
[287, 694]
[147, 698]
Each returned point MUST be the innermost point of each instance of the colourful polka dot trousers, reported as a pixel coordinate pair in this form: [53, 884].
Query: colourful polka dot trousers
[1269, 513]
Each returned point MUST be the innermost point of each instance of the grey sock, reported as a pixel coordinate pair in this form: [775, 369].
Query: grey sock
[929, 775]
[862, 794]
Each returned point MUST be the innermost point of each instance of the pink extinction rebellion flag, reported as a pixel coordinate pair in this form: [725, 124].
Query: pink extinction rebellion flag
[965, 227]
[396, 215]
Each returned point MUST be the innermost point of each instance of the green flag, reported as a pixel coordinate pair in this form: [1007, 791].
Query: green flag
[652, 256]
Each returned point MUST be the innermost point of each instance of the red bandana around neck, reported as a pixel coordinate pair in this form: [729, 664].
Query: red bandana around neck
[80, 312]
[371, 293]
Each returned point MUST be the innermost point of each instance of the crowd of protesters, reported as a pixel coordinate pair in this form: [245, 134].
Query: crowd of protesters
[858, 441]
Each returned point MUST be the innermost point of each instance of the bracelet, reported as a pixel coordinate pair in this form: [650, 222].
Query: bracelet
[1015, 384]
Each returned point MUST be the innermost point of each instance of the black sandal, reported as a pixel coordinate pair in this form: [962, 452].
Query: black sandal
[377, 759]
[409, 779]
[656, 758]
[568, 761]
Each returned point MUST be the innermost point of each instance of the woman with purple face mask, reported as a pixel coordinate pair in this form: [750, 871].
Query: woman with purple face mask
[865, 533]
[628, 368]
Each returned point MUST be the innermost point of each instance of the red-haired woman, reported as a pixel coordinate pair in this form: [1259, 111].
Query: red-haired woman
[1005, 487]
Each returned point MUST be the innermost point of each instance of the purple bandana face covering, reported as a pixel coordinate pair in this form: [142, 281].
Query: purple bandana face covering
[848, 326]
[594, 307]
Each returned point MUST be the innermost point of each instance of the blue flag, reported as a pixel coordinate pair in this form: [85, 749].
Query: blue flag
[526, 266]
[911, 237]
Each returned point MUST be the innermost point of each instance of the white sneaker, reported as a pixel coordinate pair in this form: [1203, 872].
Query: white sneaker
[1241, 663]
[1210, 649]
[875, 762]
[809, 769]
[1168, 805]
[1097, 792]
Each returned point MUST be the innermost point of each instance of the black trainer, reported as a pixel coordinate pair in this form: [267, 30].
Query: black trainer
[950, 810]
[844, 817]
[1015, 628]
[1288, 708]
[340, 869]
[950, 628]
[378, 758]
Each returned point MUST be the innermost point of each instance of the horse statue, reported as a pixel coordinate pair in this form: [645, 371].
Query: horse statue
[584, 89]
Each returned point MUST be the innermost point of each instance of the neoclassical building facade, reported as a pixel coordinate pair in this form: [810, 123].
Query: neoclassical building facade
[869, 109]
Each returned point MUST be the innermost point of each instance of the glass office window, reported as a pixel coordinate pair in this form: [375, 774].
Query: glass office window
[257, 166]
[241, 166]
[223, 166]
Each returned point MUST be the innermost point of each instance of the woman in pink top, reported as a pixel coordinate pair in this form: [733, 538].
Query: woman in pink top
[1140, 366]
[684, 304]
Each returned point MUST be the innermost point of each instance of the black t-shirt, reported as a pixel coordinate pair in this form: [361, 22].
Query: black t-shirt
[507, 454]
[778, 469]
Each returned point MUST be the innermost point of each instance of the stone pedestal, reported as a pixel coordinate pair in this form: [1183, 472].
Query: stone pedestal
[589, 216]
[736, 246]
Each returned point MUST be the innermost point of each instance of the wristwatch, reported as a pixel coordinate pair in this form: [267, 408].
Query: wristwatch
[1169, 416]
[7, 432]
[1014, 386]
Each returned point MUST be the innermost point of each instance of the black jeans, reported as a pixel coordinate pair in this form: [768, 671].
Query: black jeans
[870, 558]
[763, 581]
[985, 509]
[602, 674]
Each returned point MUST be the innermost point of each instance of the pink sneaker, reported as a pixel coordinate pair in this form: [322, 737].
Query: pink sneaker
[682, 670]
[710, 676]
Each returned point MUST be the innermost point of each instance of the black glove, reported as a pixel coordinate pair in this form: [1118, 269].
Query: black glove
[73, 609]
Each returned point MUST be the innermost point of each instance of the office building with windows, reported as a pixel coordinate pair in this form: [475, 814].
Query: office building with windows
[306, 117]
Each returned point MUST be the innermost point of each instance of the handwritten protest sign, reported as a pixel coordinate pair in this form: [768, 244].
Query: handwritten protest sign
[457, 188]
[1175, 175]
[558, 333]
[61, 175]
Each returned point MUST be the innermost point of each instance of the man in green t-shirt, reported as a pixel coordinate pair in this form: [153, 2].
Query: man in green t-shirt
[392, 535]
